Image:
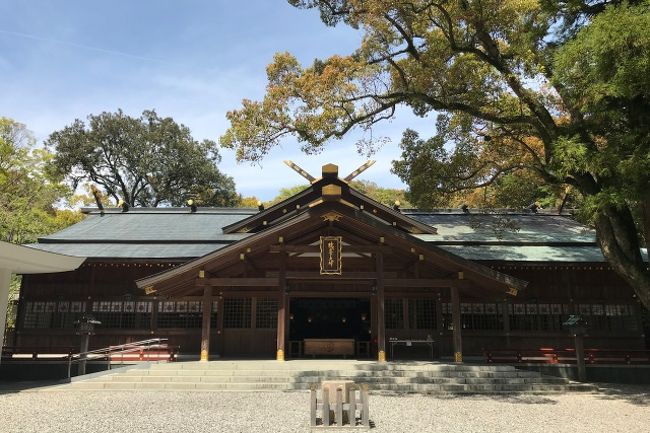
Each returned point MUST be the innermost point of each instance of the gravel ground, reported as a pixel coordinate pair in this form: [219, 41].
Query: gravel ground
[614, 409]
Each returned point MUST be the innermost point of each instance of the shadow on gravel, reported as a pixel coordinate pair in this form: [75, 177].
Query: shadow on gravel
[514, 398]
[14, 387]
[633, 394]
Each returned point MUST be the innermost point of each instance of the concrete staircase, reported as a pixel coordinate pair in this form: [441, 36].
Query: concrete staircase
[425, 378]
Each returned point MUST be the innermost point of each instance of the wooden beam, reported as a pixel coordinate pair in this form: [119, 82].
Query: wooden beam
[455, 316]
[316, 248]
[381, 322]
[205, 326]
[315, 275]
[220, 340]
[425, 283]
[243, 282]
[282, 309]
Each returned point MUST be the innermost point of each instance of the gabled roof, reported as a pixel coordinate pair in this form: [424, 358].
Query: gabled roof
[320, 188]
[178, 234]
[314, 218]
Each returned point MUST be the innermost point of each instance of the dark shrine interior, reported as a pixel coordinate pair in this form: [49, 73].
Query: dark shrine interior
[329, 318]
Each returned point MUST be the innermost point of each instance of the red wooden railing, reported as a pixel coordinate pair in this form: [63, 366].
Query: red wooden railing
[550, 355]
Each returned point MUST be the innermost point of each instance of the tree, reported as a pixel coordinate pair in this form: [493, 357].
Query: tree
[385, 196]
[248, 201]
[437, 177]
[568, 77]
[145, 161]
[29, 195]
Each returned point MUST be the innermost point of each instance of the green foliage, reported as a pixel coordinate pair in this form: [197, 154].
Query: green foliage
[145, 161]
[604, 71]
[385, 196]
[28, 193]
[286, 192]
[553, 93]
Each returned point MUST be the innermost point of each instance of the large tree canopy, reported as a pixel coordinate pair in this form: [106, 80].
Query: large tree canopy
[555, 90]
[145, 161]
[29, 196]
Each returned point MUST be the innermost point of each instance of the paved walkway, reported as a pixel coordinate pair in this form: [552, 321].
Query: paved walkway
[614, 409]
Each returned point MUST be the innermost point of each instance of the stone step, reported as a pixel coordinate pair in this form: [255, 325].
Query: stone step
[202, 379]
[112, 385]
[257, 376]
[317, 379]
[392, 388]
[274, 365]
[334, 373]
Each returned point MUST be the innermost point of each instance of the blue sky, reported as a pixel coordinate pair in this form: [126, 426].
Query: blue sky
[191, 60]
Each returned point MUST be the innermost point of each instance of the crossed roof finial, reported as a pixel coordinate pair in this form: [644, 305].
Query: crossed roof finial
[312, 179]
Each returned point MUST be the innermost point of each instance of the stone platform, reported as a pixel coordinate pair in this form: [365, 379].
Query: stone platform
[385, 378]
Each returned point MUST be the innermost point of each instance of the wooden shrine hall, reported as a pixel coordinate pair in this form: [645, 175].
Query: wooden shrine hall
[330, 242]
[328, 272]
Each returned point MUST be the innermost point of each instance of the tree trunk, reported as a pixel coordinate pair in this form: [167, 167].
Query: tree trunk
[618, 240]
[645, 223]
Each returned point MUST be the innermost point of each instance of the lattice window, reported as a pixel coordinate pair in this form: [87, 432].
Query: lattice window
[422, 313]
[481, 316]
[122, 314]
[237, 313]
[538, 317]
[266, 315]
[609, 317]
[394, 314]
[475, 316]
[179, 314]
[52, 314]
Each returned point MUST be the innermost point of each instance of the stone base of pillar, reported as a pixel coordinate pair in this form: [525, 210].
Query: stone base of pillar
[381, 356]
[280, 355]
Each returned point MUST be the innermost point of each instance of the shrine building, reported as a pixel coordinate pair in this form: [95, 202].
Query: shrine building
[329, 272]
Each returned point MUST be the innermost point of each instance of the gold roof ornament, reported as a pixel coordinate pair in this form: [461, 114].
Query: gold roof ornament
[330, 171]
[359, 170]
[331, 191]
[332, 216]
[295, 167]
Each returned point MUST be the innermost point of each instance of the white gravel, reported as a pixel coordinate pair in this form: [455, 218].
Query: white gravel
[613, 410]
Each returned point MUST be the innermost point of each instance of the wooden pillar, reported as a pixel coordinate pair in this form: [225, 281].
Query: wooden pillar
[506, 321]
[439, 325]
[5, 282]
[282, 309]
[253, 312]
[455, 315]
[154, 315]
[220, 339]
[381, 317]
[580, 355]
[405, 313]
[206, 304]
[282, 320]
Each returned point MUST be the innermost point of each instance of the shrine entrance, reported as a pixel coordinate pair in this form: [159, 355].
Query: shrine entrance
[329, 327]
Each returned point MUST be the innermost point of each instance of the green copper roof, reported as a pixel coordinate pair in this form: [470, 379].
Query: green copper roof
[173, 233]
